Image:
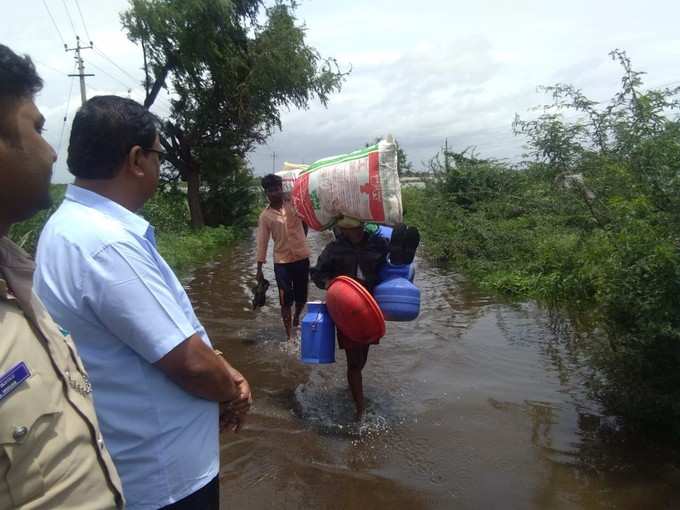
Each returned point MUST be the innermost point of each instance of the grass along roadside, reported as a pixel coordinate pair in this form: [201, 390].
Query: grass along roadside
[181, 247]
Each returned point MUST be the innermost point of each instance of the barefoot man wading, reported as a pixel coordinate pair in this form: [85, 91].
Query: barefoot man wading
[281, 222]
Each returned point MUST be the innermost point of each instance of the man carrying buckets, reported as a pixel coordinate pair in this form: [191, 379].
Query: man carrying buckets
[359, 254]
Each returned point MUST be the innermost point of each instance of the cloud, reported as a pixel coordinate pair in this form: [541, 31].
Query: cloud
[447, 71]
[422, 96]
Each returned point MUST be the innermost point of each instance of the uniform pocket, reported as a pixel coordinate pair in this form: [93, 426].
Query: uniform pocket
[28, 436]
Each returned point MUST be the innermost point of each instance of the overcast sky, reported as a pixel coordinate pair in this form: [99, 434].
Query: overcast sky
[423, 72]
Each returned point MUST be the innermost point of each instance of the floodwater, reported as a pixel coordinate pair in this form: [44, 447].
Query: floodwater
[476, 404]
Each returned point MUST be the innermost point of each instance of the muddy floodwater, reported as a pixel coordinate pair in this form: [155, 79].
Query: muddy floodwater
[476, 404]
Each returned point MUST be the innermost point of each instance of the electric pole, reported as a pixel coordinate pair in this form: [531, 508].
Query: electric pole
[273, 162]
[81, 66]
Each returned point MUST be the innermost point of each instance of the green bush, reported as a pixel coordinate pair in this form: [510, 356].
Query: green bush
[186, 249]
[26, 233]
[589, 225]
[167, 211]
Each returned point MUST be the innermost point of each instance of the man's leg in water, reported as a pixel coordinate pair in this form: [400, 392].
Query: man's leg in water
[286, 317]
[356, 360]
[300, 288]
[298, 311]
[285, 283]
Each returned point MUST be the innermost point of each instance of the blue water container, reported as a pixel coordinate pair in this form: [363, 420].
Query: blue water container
[398, 299]
[318, 335]
[388, 271]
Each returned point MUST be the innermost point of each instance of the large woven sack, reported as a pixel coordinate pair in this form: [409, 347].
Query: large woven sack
[363, 184]
[289, 173]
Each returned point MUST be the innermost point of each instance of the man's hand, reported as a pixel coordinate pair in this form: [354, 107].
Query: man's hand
[228, 419]
[196, 368]
[232, 414]
[242, 404]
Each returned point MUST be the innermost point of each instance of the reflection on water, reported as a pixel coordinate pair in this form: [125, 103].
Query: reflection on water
[476, 404]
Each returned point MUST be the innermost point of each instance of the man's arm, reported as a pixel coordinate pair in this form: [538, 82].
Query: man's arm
[132, 300]
[324, 270]
[197, 369]
[263, 235]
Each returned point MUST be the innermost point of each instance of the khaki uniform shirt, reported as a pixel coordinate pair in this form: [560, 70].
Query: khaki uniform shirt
[52, 454]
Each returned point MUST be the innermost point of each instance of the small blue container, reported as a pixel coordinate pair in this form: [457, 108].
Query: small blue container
[398, 299]
[385, 231]
[318, 335]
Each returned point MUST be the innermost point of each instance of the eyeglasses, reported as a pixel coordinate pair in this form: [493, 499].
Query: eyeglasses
[162, 155]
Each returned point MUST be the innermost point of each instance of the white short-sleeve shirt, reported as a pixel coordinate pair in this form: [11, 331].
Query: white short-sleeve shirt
[101, 278]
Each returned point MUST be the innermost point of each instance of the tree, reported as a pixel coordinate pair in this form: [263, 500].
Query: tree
[231, 71]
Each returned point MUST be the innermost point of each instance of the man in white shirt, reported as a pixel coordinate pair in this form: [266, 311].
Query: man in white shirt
[157, 382]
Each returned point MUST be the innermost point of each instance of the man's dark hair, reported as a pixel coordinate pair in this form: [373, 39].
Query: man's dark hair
[271, 181]
[18, 80]
[104, 130]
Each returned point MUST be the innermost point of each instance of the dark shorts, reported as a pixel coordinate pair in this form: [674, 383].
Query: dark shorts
[206, 498]
[292, 279]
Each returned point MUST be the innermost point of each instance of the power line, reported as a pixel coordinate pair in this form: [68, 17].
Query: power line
[126, 85]
[136, 80]
[160, 101]
[87, 32]
[68, 13]
[665, 85]
[54, 23]
[49, 66]
[63, 125]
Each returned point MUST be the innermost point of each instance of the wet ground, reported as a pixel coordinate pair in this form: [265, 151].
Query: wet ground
[476, 404]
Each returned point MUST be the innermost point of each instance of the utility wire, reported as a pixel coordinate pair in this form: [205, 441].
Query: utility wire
[63, 125]
[136, 80]
[126, 85]
[68, 13]
[54, 23]
[49, 66]
[665, 85]
[87, 32]
[137, 83]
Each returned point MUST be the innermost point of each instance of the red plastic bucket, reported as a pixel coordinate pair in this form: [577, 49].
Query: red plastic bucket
[354, 311]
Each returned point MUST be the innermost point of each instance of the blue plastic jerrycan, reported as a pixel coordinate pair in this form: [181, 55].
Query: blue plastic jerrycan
[388, 271]
[318, 335]
[398, 299]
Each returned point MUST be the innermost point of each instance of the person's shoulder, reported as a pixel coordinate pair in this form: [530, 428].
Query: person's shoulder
[265, 214]
[78, 226]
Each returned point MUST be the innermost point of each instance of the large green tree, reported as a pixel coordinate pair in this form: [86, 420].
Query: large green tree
[231, 66]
